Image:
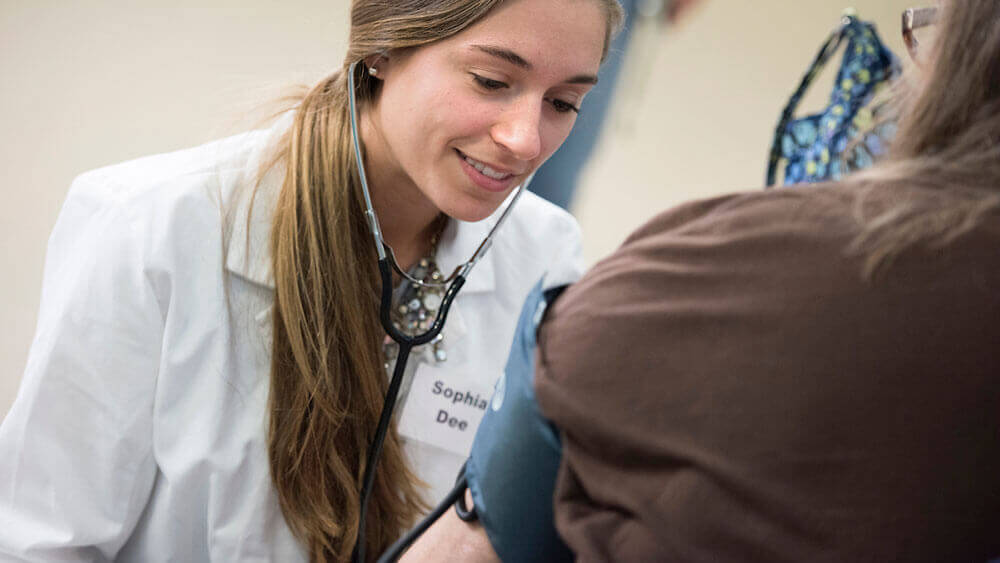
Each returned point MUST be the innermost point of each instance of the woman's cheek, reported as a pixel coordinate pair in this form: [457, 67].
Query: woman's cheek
[473, 116]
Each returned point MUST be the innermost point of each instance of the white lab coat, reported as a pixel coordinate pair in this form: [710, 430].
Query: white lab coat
[139, 431]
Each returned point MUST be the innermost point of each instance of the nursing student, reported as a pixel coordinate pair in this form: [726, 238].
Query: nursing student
[209, 365]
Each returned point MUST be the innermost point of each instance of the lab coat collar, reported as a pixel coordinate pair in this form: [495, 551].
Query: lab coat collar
[249, 252]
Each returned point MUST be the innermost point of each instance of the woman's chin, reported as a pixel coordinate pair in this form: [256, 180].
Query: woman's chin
[471, 211]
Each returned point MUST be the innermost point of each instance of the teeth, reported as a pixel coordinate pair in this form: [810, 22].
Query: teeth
[486, 170]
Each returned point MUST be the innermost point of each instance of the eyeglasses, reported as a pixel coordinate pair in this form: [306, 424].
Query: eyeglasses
[913, 20]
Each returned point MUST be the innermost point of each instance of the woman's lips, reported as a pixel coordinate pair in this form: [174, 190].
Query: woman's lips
[484, 175]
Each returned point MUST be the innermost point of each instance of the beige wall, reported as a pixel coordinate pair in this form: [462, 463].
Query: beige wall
[89, 84]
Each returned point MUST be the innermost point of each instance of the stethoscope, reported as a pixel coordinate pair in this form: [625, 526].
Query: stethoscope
[387, 264]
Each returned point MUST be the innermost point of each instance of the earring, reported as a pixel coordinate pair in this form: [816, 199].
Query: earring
[372, 71]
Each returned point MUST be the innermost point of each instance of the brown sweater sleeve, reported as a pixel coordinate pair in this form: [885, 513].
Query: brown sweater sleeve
[730, 388]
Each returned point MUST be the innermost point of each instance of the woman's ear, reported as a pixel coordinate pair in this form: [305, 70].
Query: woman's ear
[375, 64]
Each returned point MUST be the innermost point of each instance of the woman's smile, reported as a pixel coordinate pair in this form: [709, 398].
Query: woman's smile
[489, 177]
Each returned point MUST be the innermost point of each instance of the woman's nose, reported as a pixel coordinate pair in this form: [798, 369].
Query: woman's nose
[518, 130]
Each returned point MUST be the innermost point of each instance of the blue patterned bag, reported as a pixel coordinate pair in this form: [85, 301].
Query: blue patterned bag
[823, 146]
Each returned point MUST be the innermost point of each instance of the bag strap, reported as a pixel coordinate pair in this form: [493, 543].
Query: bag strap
[826, 51]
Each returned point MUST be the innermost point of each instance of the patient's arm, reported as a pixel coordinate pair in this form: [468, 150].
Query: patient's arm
[511, 470]
[451, 539]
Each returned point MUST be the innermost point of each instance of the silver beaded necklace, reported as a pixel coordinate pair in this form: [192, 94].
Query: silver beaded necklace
[416, 305]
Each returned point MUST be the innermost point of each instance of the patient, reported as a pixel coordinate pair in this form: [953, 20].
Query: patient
[794, 375]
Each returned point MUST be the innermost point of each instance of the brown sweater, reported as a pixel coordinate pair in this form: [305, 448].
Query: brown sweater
[731, 388]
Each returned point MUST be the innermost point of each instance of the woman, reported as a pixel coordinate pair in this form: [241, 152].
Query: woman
[811, 374]
[209, 366]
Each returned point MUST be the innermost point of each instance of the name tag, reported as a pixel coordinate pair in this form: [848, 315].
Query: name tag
[443, 410]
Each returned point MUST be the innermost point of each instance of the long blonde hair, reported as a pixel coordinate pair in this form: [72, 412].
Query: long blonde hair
[327, 375]
[944, 165]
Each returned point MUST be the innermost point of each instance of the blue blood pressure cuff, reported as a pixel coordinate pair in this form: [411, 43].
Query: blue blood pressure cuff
[511, 471]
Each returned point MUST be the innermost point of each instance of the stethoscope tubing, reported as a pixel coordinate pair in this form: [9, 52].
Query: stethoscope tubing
[386, 264]
[406, 344]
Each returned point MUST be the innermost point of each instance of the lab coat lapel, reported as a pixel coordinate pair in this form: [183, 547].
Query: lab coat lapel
[458, 242]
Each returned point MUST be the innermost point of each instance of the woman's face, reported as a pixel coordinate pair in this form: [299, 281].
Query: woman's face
[461, 122]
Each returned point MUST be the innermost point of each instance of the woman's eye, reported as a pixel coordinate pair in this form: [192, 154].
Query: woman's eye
[564, 107]
[488, 83]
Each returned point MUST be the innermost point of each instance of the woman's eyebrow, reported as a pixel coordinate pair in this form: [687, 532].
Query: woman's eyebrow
[519, 61]
[505, 54]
